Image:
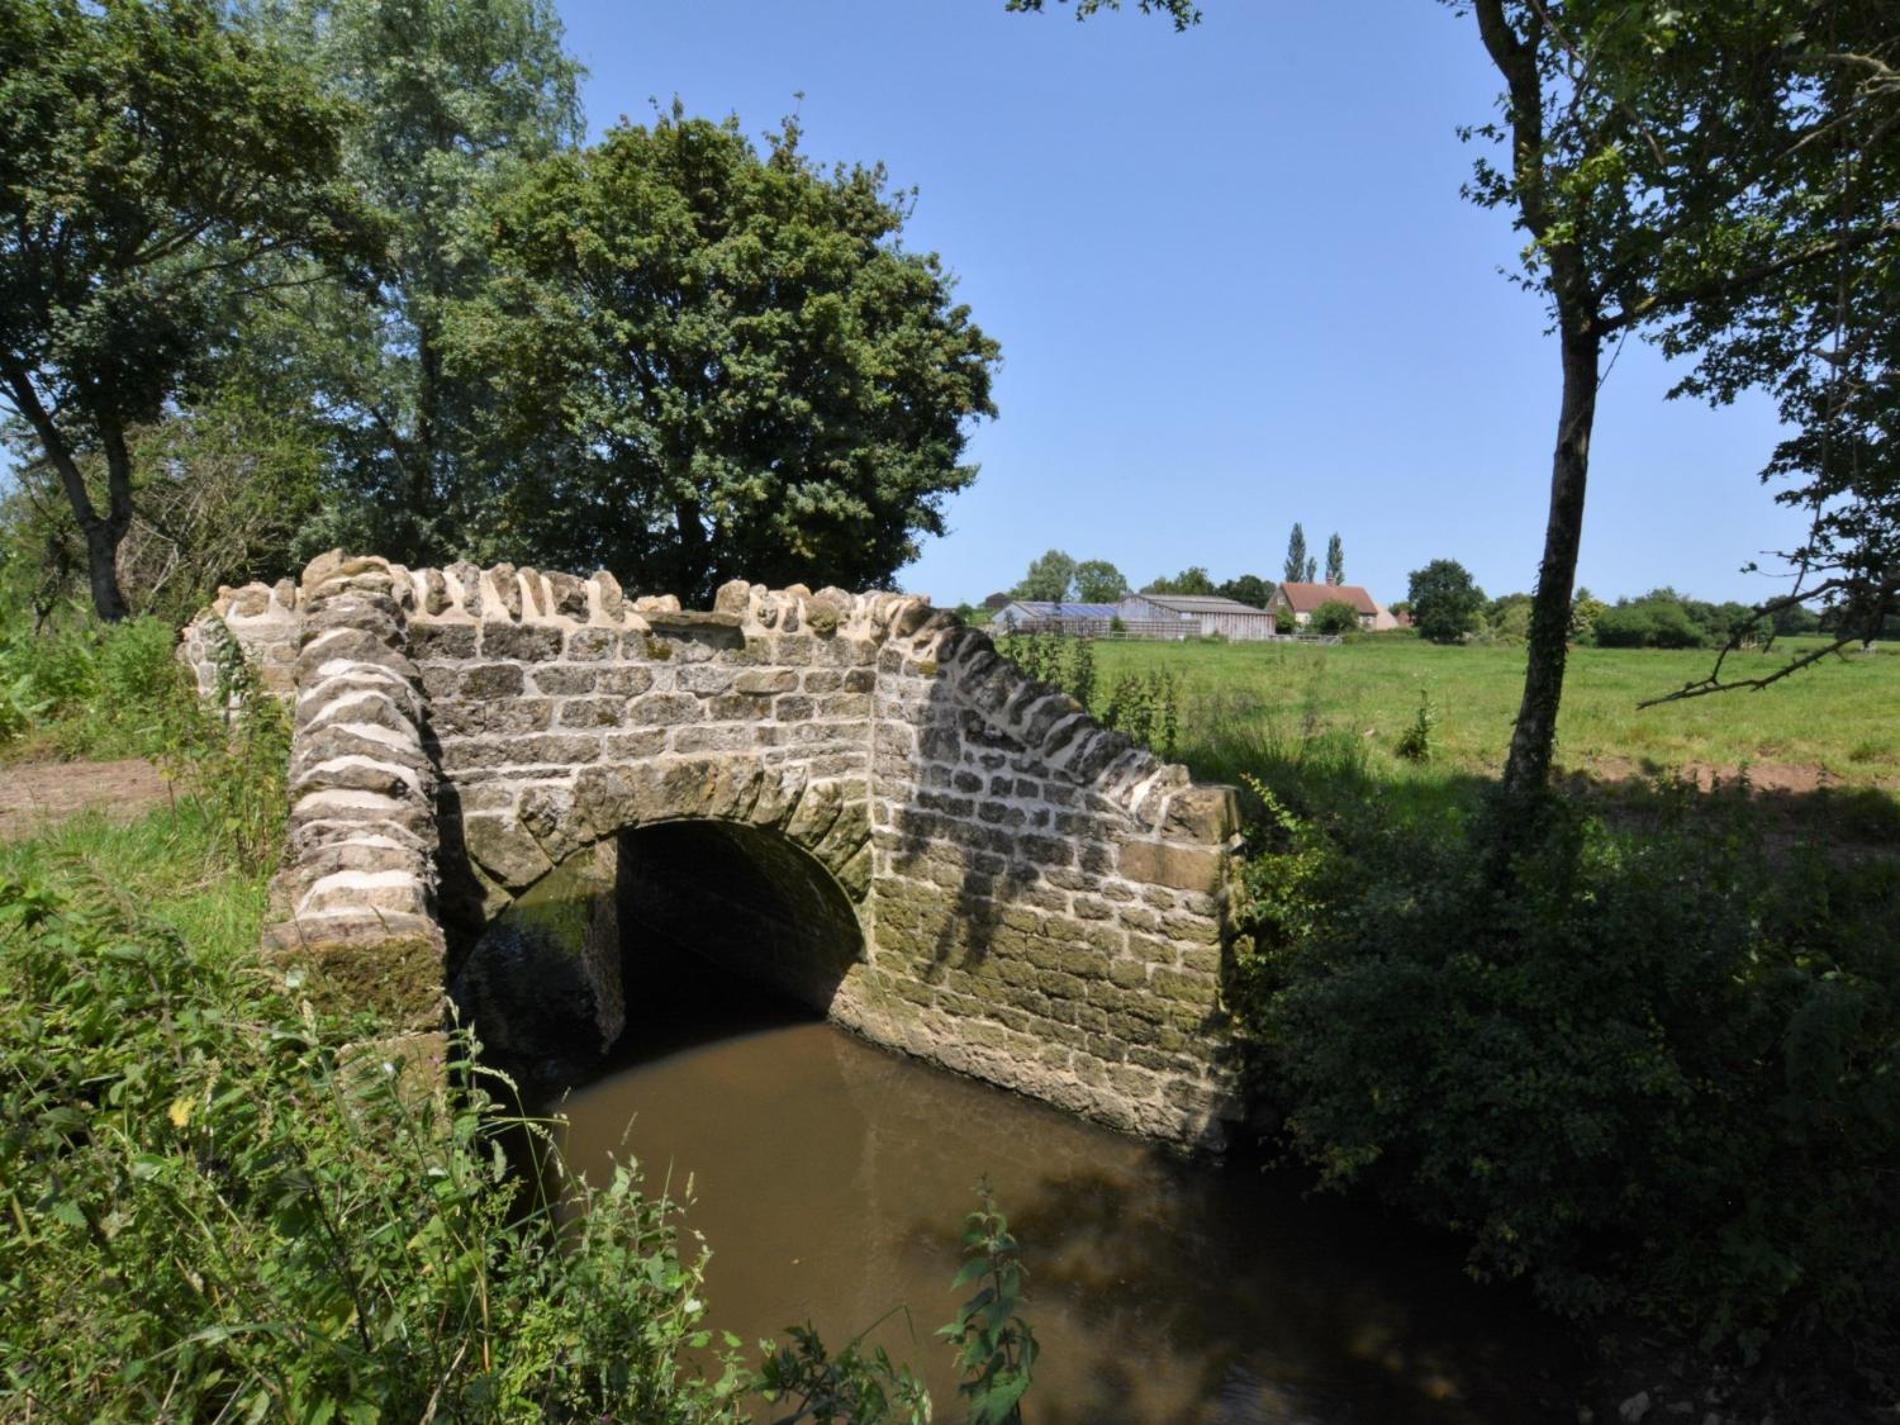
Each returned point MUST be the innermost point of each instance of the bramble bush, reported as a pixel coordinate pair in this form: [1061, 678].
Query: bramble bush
[1653, 1072]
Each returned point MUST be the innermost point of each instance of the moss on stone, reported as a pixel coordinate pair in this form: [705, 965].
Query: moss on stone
[399, 980]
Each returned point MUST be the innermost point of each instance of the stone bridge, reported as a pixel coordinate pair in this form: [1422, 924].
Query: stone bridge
[894, 822]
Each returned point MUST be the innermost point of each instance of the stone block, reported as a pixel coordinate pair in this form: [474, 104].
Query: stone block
[593, 712]
[1188, 868]
[764, 681]
[442, 641]
[1206, 813]
[664, 709]
[492, 680]
[636, 746]
[624, 681]
[532, 643]
[564, 680]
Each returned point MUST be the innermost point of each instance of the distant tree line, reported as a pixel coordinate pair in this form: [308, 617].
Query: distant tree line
[1447, 606]
[1056, 577]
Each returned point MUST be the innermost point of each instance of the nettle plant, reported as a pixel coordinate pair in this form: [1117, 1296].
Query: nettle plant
[996, 1348]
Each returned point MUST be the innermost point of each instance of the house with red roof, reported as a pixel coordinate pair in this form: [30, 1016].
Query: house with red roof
[1294, 604]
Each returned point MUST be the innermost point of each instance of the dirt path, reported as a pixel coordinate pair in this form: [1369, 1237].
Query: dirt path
[33, 794]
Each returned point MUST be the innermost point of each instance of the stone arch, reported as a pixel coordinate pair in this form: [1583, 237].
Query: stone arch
[824, 818]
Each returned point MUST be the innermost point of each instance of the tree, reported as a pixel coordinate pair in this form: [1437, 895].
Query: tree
[1099, 582]
[220, 493]
[1335, 561]
[1585, 609]
[1334, 617]
[1050, 580]
[151, 159]
[718, 362]
[1299, 568]
[450, 99]
[1446, 602]
[1183, 12]
[1248, 589]
[1192, 580]
[1823, 337]
[1662, 162]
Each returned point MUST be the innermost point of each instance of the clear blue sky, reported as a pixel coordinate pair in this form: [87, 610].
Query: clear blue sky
[1234, 284]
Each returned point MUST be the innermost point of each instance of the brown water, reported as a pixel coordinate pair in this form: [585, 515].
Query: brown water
[831, 1179]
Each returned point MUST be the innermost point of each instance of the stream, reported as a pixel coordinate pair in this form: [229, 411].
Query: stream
[831, 1179]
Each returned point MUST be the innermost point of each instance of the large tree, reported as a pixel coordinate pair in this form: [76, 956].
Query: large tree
[151, 160]
[1248, 589]
[1661, 160]
[1335, 561]
[719, 362]
[1446, 601]
[448, 98]
[1824, 338]
[1192, 580]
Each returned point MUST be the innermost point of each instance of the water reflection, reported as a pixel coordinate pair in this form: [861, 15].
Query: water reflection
[832, 1179]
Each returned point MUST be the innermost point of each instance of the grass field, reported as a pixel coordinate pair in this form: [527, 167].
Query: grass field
[1837, 724]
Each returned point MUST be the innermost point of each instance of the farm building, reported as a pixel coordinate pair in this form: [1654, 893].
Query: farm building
[1041, 616]
[1295, 604]
[1195, 616]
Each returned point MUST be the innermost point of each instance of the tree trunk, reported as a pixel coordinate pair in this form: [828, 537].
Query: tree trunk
[1527, 772]
[102, 570]
[103, 534]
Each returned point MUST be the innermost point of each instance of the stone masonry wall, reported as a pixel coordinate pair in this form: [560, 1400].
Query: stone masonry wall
[1042, 903]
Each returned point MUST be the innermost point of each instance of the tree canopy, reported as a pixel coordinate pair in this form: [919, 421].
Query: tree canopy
[1192, 580]
[151, 159]
[714, 362]
[1050, 579]
[1248, 589]
[448, 100]
[1298, 568]
[1099, 582]
[1446, 601]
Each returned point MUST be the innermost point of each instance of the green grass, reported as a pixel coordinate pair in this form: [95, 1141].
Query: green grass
[1839, 716]
[171, 868]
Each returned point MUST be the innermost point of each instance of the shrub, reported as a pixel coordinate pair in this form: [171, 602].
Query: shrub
[1147, 707]
[1645, 1072]
[1415, 743]
[1653, 622]
[89, 689]
[1334, 617]
[1625, 626]
[1064, 663]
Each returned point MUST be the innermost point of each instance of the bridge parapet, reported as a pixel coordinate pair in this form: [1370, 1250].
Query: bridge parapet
[1043, 903]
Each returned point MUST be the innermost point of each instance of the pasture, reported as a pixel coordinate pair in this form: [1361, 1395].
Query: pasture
[1834, 725]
